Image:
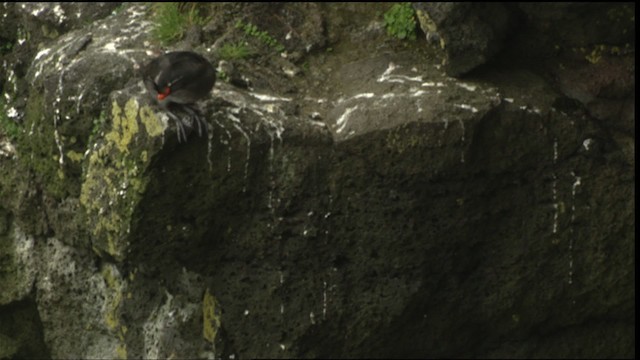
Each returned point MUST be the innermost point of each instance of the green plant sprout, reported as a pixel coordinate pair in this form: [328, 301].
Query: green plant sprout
[262, 36]
[400, 21]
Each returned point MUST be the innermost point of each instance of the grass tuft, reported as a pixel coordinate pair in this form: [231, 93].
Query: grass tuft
[172, 19]
[235, 51]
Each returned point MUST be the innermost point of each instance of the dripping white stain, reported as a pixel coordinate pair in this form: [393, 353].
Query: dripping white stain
[236, 124]
[577, 182]
[225, 142]
[466, 107]
[264, 97]
[467, 86]
[356, 97]
[209, 146]
[388, 77]
[462, 140]
[363, 96]
[324, 300]
[343, 119]
[432, 84]
[554, 188]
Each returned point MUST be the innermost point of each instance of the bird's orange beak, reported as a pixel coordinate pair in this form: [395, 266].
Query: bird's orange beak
[164, 93]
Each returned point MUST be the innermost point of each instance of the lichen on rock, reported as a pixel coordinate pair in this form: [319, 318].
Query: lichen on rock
[345, 201]
[114, 180]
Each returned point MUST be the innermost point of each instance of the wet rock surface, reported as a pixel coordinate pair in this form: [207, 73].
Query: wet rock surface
[470, 34]
[349, 199]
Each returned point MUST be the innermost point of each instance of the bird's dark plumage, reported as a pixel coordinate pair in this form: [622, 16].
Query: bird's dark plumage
[177, 80]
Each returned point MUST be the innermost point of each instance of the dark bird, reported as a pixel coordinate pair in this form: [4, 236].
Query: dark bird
[176, 80]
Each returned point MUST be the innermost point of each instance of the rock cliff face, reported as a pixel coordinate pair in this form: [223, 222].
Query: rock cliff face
[350, 199]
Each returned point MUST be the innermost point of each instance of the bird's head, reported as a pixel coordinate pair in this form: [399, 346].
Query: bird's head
[179, 77]
[167, 83]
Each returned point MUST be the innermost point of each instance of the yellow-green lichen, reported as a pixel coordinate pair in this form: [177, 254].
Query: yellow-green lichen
[74, 156]
[210, 317]
[428, 25]
[109, 279]
[108, 217]
[402, 141]
[598, 51]
[114, 296]
[622, 13]
[112, 183]
[425, 21]
[125, 124]
[121, 350]
[132, 274]
[152, 124]
[561, 207]
[595, 55]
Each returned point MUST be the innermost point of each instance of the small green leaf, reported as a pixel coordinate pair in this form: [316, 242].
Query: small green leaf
[400, 21]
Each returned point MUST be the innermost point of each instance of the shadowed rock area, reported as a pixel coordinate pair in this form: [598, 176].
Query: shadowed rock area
[350, 199]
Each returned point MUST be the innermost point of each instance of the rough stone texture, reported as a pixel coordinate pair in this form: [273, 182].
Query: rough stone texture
[73, 297]
[53, 18]
[18, 265]
[21, 331]
[356, 202]
[470, 34]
